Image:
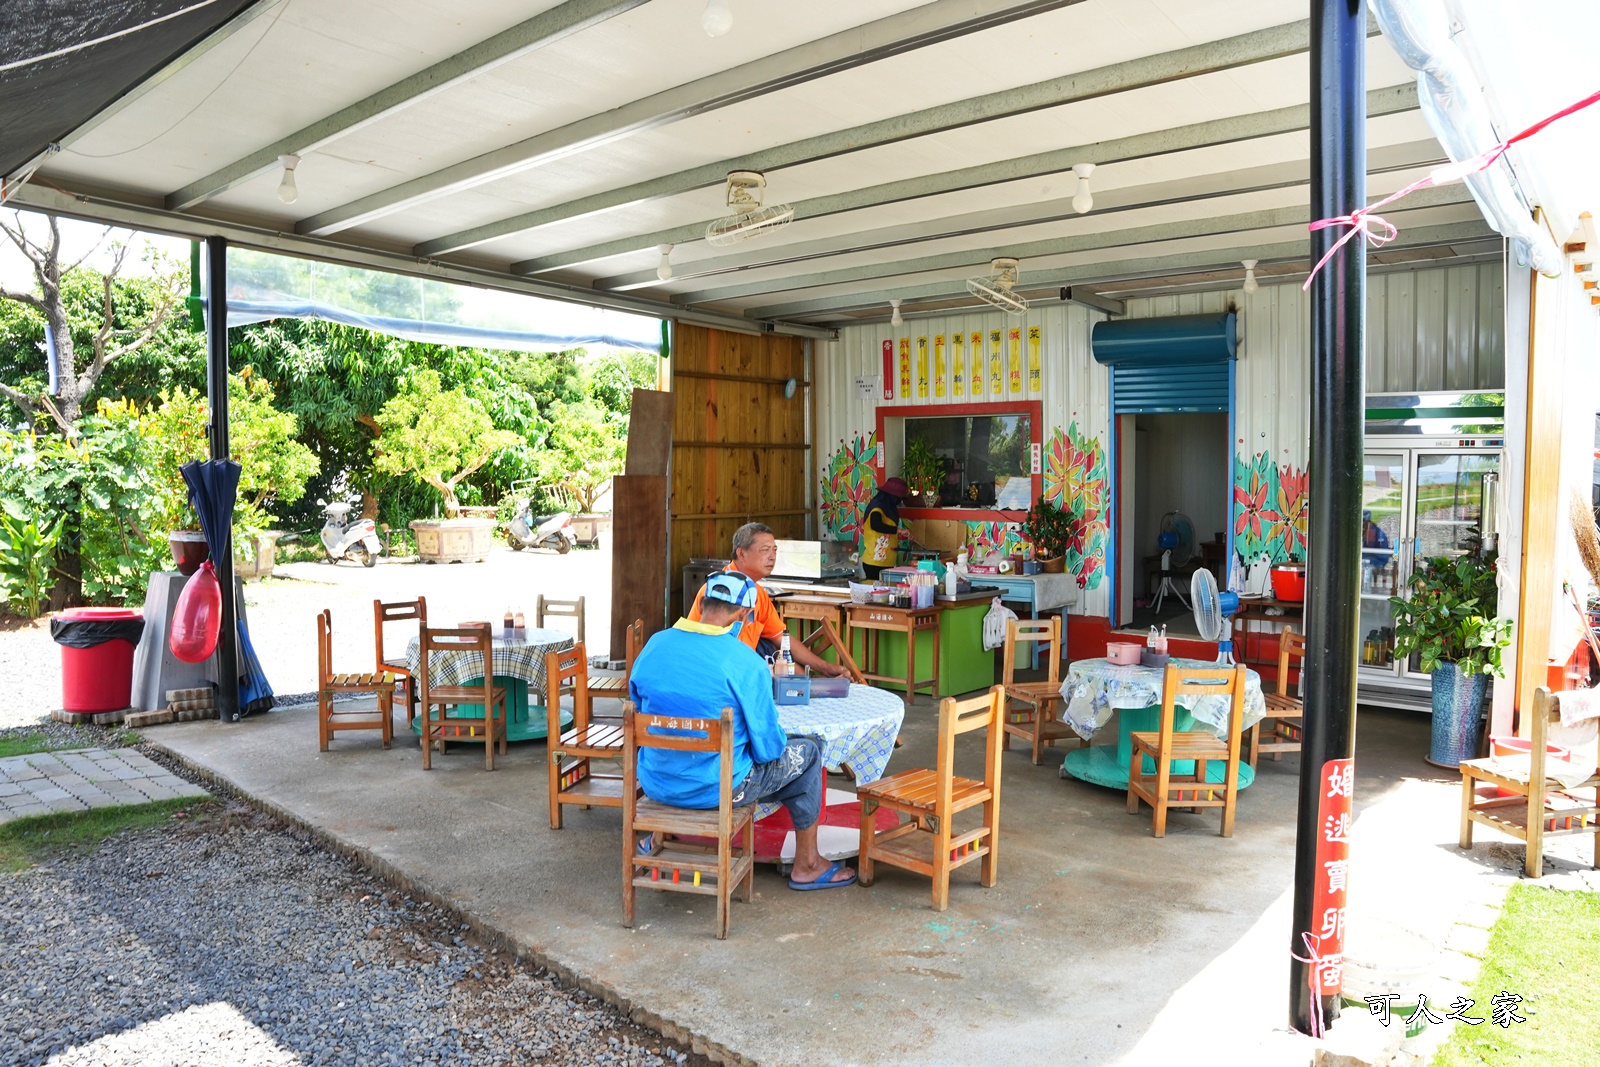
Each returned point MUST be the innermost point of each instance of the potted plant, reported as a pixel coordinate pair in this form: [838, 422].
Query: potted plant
[1449, 622]
[441, 436]
[1049, 528]
[923, 472]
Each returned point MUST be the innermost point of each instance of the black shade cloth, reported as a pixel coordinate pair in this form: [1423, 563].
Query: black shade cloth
[213, 487]
[87, 633]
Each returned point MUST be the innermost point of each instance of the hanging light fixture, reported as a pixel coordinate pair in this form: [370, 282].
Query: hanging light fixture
[1084, 200]
[1250, 283]
[717, 18]
[664, 271]
[896, 319]
[287, 192]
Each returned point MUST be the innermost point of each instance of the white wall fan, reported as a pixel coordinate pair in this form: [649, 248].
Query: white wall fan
[744, 194]
[996, 288]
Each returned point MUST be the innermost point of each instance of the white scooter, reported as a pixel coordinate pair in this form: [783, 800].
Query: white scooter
[527, 530]
[342, 539]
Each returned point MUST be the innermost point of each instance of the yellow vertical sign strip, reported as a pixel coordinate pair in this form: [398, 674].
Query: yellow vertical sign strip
[1035, 362]
[977, 363]
[905, 368]
[997, 374]
[940, 370]
[922, 368]
[1015, 337]
[958, 364]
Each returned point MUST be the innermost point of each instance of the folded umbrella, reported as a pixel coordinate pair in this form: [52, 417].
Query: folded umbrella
[213, 488]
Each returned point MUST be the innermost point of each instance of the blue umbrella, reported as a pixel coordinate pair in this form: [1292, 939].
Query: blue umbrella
[213, 487]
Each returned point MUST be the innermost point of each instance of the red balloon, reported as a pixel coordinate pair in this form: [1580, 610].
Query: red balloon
[198, 618]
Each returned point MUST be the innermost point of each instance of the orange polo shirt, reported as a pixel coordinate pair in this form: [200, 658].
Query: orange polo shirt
[764, 622]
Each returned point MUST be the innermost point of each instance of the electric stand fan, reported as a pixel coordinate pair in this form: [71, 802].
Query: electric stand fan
[1212, 612]
[1176, 542]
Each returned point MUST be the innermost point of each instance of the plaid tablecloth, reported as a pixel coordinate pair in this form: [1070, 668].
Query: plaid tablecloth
[521, 658]
[858, 729]
[1095, 688]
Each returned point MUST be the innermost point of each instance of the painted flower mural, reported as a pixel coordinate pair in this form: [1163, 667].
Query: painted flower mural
[1269, 509]
[1075, 480]
[990, 537]
[848, 483]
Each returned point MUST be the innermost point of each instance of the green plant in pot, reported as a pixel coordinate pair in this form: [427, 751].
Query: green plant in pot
[923, 472]
[1449, 621]
[1049, 528]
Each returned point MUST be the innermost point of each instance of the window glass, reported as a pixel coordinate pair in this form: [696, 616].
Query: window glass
[981, 454]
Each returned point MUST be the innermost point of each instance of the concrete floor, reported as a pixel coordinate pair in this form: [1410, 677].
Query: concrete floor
[1099, 945]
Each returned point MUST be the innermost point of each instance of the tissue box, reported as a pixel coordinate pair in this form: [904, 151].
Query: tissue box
[795, 689]
[825, 688]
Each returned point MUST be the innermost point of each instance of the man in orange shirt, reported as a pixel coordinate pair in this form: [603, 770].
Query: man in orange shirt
[755, 553]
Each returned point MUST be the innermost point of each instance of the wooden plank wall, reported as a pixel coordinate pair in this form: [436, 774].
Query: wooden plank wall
[639, 556]
[739, 451]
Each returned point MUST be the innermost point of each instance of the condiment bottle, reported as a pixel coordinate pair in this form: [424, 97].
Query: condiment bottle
[510, 622]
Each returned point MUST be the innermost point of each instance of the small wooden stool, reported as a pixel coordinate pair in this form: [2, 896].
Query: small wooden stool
[873, 619]
[830, 627]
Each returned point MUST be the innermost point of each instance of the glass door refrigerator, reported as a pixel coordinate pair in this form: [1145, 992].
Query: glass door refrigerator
[1422, 497]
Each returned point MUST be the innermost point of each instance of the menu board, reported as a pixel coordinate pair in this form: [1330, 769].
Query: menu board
[905, 368]
[940, 372]
[1015, 337]
[1035, 361]
[958, 364]
[997, 374]
[977, 363]
[922, 368]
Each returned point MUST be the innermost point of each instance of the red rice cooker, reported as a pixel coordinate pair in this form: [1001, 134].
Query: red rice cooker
[1289, 581]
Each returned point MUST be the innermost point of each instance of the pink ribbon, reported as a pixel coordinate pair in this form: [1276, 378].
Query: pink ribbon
[1313, 943]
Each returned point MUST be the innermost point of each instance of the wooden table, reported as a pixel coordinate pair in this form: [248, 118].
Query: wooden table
[1255, 609]
[873, 619]
[830, 626]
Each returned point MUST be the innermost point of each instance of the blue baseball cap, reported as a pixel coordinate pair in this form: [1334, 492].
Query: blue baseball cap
[731, 587]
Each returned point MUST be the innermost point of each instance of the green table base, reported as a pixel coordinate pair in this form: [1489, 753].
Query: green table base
[524, 721]
[963, 664]
[1107, 765]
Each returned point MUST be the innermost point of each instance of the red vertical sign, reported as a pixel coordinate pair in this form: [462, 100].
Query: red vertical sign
[888, 370]
[1333, 863]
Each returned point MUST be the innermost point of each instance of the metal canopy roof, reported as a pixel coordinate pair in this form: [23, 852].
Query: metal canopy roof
[551, 147]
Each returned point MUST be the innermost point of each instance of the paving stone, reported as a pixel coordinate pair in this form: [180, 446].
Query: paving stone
[1468, 939]
[100, 800]
[67, 804]
[26, 811]
[53, 793]
[24, 773]
[9, 789]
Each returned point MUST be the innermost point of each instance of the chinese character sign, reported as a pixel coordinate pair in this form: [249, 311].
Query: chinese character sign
[997, 374]
[958, 364]
[905, 368]
[940, 372]
[1035, 361]
[922, 368]
[1336, 799]
[977, 363]
[888, 370]
[1015, 337]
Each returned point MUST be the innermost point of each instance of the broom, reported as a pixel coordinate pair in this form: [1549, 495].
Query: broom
[1584, 531]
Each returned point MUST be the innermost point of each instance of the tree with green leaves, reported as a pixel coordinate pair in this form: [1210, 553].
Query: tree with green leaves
[585, 451]
[440, 435]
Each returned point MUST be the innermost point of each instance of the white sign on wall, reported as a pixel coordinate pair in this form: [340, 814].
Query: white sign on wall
[867, 388]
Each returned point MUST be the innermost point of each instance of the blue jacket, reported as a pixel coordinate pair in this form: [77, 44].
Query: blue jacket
[694, 670]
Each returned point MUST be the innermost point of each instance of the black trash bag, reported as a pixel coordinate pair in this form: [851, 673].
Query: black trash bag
[87, 633]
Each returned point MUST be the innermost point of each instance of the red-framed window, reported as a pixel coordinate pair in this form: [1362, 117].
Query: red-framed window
[1032, 410]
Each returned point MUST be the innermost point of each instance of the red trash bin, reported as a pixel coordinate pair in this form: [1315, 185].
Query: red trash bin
[96, 657]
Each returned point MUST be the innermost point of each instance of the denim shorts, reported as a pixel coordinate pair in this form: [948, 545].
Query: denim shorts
[794, 780]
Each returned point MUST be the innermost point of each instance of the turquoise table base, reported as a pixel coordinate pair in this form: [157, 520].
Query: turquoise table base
[524, 721]
[1107, 765]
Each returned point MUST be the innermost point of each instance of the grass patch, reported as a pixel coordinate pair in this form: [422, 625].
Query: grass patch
[1545, 947]
[24, 744]
[25, 842]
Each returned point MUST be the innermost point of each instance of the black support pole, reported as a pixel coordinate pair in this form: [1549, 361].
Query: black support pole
[1338, 381]
[217, 432]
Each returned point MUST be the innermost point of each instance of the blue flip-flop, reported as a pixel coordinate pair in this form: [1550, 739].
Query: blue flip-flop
[825, 880]
[650, 845]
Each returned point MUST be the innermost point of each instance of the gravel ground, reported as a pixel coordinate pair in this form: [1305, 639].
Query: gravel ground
[227, 940]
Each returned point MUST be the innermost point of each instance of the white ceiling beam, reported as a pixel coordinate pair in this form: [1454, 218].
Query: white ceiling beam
[1382, 160]
[1275, 42]
[906, 31]
[1386, 101]
[1207, 226]
[525, 37]
[1212, 259]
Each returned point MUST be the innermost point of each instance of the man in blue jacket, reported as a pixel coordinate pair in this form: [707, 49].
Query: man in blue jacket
[697, 669]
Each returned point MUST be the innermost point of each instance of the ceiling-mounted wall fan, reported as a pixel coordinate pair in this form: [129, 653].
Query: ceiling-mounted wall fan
[996, 287]
[744, 195]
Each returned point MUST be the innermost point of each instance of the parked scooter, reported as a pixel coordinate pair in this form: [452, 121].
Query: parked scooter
[528, 530]
[343, 539]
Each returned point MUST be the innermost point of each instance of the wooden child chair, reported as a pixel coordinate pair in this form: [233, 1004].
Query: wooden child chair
[386, 613]
[572, 779]
[441, 728]
[676, 868]
[930, 843]
[616, 685]
[1031, 707]
[567, 609]
[1163, 789]
[1286, 707]
[329, 685]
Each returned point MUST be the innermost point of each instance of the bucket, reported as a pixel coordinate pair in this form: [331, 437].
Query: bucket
[1289, 581]
[1382, 957]
[1521, 746]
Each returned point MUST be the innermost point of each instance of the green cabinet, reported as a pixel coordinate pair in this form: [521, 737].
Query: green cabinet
[963, 664]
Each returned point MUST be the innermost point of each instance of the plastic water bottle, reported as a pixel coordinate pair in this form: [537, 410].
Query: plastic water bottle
[785, 667]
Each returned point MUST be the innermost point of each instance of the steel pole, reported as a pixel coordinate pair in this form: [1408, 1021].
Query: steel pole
[217, 434]
[1338, 379]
